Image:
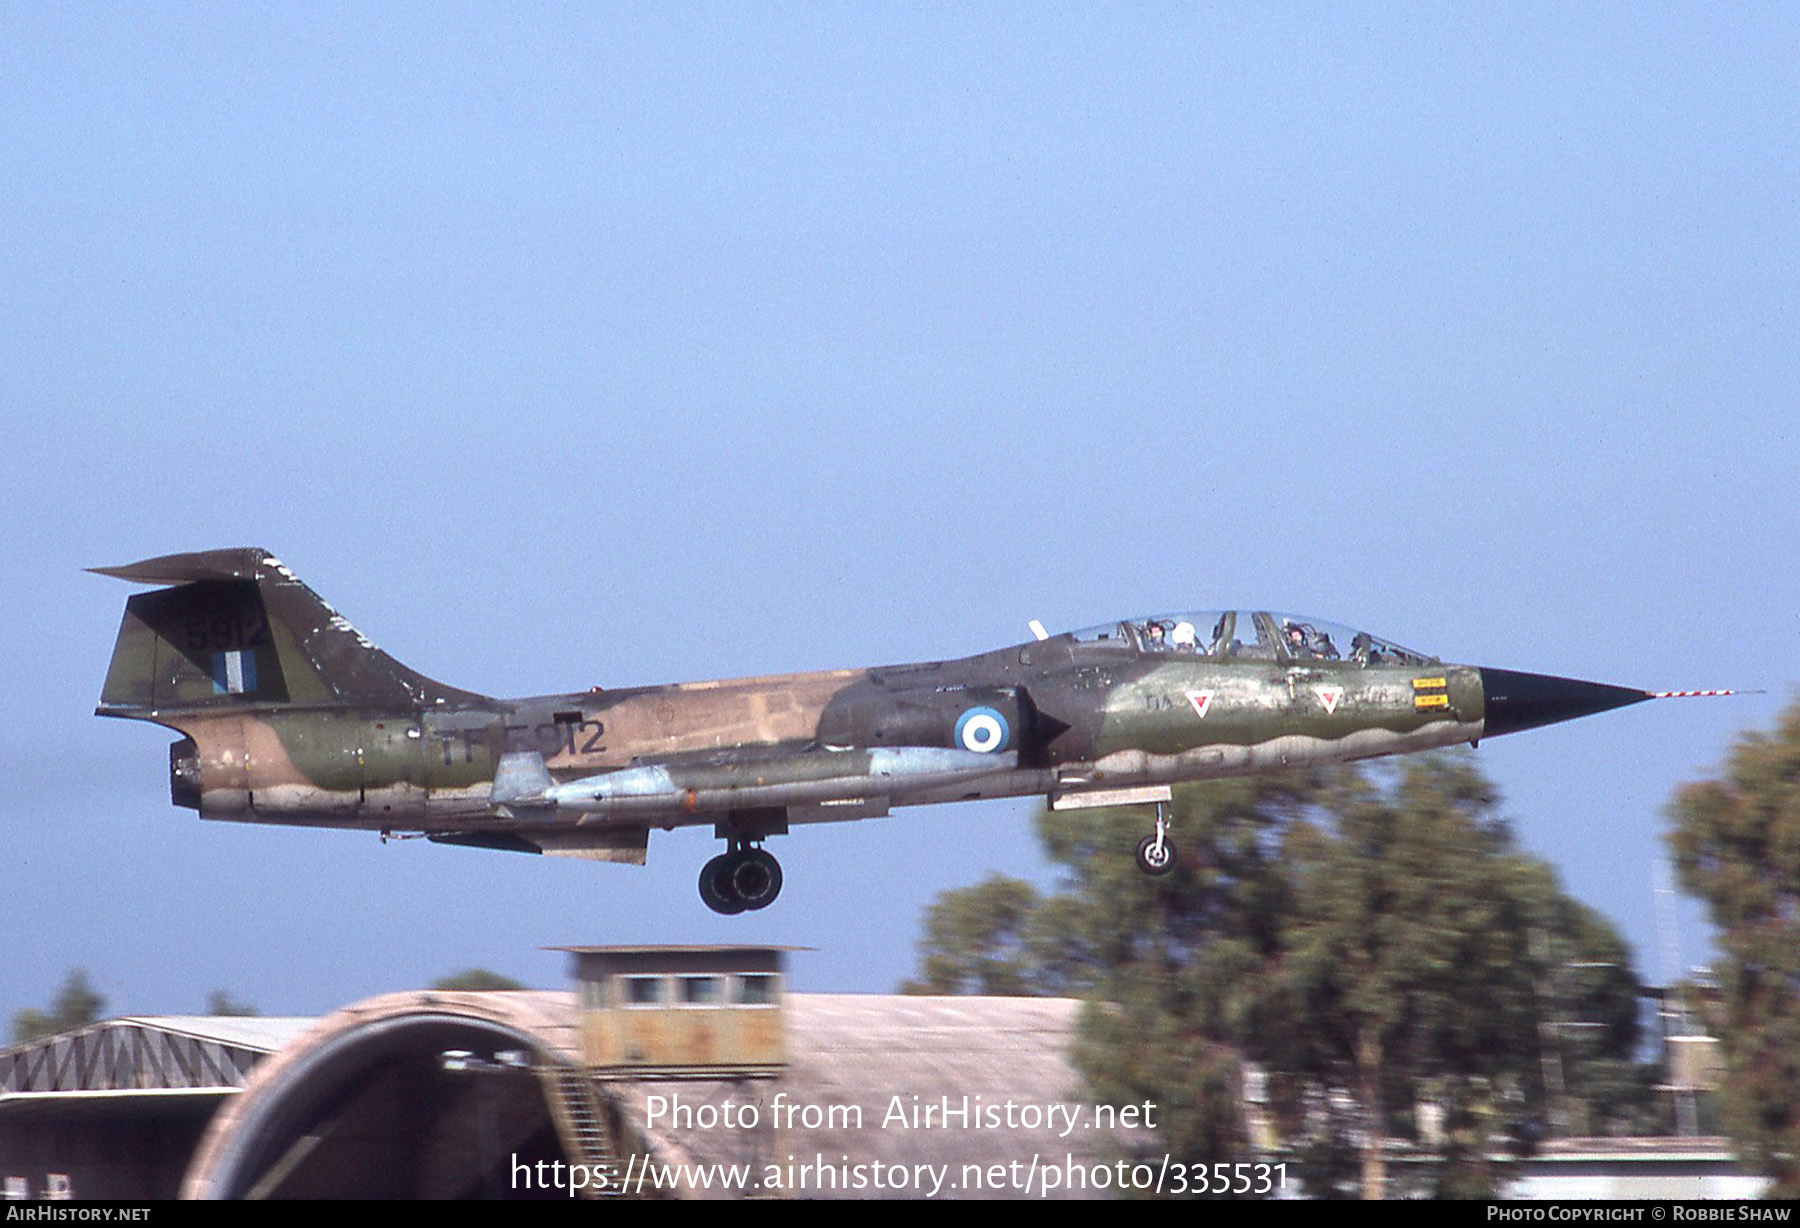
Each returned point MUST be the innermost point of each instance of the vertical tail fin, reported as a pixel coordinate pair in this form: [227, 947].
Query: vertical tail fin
[237, 628]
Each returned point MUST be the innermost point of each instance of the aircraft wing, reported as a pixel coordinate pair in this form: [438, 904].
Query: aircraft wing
[607, 816]
[739, 781]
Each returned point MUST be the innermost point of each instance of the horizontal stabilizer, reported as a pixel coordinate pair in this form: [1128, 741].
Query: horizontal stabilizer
[247, 563]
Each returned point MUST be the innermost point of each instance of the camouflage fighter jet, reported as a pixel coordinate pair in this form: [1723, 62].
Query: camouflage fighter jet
[289, 715]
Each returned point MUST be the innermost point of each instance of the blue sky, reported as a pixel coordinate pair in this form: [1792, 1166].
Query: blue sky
[569, 345]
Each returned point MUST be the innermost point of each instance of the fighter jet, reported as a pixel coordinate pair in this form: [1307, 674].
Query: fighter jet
[289, 715]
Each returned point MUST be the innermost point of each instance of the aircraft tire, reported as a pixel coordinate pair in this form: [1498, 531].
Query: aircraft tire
[716, 889]
[755, 878]
[1147, 859]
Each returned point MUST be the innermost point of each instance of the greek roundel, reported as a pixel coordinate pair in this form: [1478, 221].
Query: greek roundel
[982, 730]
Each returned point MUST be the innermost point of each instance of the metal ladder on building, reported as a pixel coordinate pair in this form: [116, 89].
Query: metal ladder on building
[585, 1127]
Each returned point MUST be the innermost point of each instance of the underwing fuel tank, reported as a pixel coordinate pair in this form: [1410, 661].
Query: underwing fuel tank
[810, 776]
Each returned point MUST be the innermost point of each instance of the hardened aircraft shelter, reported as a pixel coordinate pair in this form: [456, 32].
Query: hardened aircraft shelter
[667, 1072]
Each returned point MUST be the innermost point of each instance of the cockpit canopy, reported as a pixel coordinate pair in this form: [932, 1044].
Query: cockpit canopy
[1229, 635]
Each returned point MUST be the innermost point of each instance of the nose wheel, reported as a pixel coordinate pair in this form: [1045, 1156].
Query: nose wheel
[1156, 854]
[742, 880]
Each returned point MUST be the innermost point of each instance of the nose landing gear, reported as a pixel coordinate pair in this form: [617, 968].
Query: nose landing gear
[1156, 854]
[741, 880]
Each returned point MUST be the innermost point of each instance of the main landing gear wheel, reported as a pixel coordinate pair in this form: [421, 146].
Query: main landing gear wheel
[715, 887]
[742, 880]
[1156, 854]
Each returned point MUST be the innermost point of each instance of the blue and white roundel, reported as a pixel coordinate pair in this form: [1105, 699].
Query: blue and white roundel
[982, 730]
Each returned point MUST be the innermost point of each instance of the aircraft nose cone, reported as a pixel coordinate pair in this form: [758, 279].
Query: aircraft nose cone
[1516, 701]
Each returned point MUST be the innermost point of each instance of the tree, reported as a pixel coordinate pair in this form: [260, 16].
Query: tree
[476, 980]
[1407, 965]
[1370, 943]
[76, 1005]
[1736, 844]
[220, 1002]
[1587, 999]
[977, 941]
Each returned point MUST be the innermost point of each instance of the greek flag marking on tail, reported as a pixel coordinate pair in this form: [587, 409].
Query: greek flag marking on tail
[234, 672]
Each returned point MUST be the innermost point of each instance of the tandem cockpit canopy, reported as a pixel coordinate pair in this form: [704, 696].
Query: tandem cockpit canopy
[1228, 635]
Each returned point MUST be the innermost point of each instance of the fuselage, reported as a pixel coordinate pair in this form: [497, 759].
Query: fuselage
[289, 715]
[1061, 715]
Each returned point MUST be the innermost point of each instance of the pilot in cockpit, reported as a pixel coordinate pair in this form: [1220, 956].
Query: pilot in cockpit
[1305, 640]
[1296, 638]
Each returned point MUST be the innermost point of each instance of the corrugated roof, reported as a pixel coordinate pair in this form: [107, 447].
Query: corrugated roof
[265, 1032]
[145, 1053]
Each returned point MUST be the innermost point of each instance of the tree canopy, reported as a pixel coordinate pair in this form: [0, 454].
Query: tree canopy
[76, 1005]
[978, 941]
[1736, 844]
[1364, 952]
[475, 979]
[221, 1002]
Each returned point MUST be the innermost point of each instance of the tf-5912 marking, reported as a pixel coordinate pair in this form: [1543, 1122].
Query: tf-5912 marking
[550, 738]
